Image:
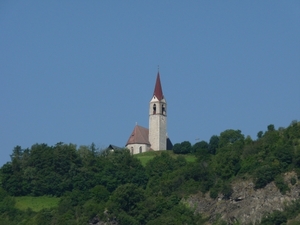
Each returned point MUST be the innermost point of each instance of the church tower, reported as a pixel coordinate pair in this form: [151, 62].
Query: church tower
[158, 118]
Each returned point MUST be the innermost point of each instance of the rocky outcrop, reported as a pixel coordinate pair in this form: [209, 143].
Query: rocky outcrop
[97, 221]
[246, 205]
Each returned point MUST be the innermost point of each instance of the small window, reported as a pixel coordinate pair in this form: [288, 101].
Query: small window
[154, 109]
[132, 150]
[163, 109]
[141, 149]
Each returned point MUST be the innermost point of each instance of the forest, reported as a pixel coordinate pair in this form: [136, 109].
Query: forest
[115, 187]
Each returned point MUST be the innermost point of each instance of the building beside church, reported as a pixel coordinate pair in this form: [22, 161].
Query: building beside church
[155, 138]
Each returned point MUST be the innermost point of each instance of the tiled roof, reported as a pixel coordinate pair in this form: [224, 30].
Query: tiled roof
[158, 90]
[139, 135]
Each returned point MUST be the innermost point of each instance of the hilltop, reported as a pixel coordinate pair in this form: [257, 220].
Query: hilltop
[231, 179]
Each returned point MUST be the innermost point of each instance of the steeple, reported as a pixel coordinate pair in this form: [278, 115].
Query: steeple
[158, 118]
[158, 90]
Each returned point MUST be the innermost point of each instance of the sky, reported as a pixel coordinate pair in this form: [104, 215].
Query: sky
[84, 72]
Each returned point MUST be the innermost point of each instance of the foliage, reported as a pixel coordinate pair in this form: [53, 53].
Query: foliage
[145, 157]
[55, 170]
[184, 147]
[293, 180]
[125, 198]
[36, 203]
[281, 185]
[99, 193]
[200, 149]
[264, 175]
[213, 144]
[276, 218]
[226, 190]
[260, 134]
[160, 164]
[89, 185]
[231, 137]
[202, 145]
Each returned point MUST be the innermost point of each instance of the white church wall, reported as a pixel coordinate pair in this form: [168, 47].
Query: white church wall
[137, 148]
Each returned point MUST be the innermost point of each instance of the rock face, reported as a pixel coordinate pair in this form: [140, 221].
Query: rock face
[246, 205]
[97, 221]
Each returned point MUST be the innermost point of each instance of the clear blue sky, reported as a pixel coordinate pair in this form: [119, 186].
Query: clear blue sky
[84, 71]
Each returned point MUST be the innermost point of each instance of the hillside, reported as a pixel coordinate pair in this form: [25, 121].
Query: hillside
[147, 156]
[231, 179]
[246, 204]
[36, 204]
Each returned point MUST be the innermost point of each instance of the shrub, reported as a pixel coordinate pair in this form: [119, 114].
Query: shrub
[281, 185]
[227, 190]
[99, 193]
[213, 193]
[293, 181]
[297, 170]
[276, 218]
[184, 147]
[264, 175]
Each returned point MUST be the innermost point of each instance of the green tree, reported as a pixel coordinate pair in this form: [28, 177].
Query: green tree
[126, 197]
[271, 127]
[248, 140]
[182, 148]
[227, 163]
[12, 180]
[276, 218]
[203, 155]
[227, 190]
[199, 146]
[177, 148]
[264, 175]
[160, 164]
[284, 154]
[231, 137]
[186, 147]
[213, 144]
[281, 185]
[44, 217]
[16, 158]
[87, 156]
[199, 172]
[100, 193]
[7, 205]
[260, 134]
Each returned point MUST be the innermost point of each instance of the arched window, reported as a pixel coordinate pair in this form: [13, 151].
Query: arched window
[132, 150]
[141, 150]
[163, 109]
[154, 109]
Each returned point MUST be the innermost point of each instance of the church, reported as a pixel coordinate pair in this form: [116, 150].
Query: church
[155, 138]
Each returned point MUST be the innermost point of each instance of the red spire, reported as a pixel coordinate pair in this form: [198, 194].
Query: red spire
[158, 90]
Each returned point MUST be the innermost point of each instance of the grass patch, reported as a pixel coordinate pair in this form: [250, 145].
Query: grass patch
[147, 156]
[36, 203]
[190, 158]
